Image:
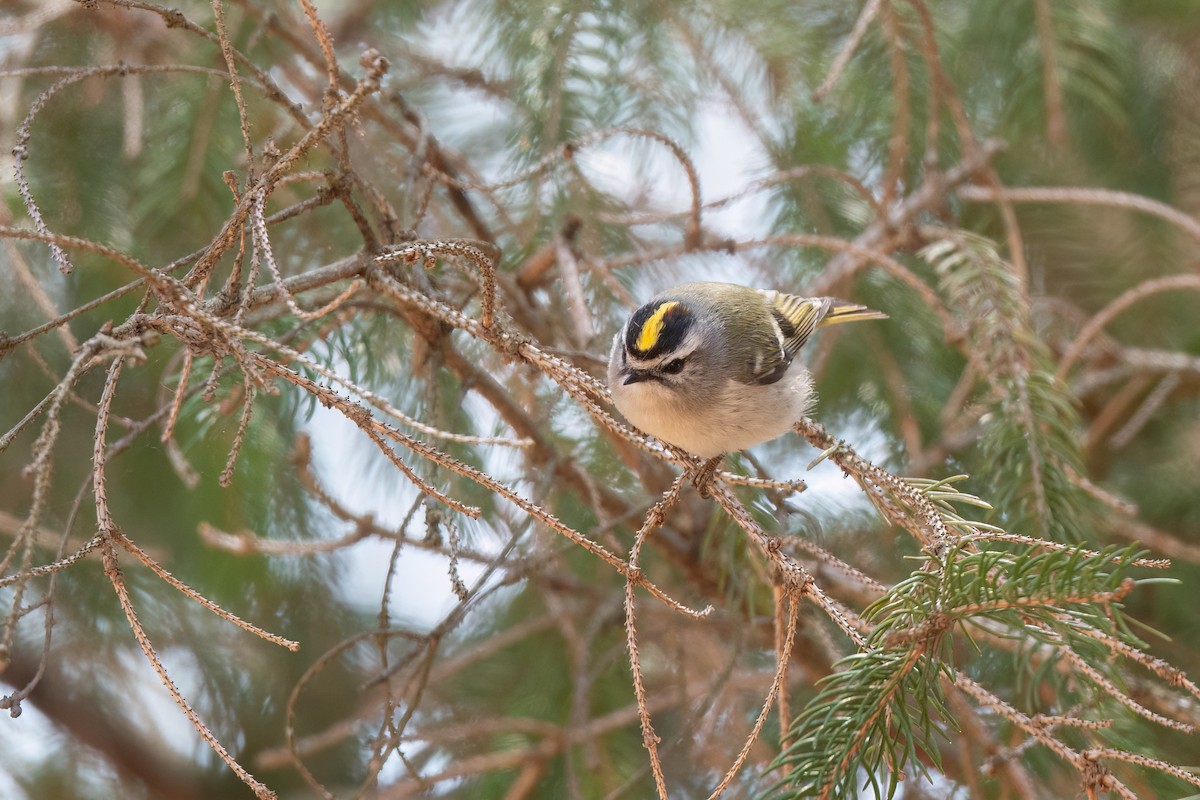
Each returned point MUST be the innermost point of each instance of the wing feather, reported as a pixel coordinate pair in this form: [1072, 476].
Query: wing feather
[795, 320]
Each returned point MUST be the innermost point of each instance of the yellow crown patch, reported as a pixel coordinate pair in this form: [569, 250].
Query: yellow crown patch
[648, 337]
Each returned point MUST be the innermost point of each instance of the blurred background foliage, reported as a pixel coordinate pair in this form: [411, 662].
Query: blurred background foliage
[521, 687]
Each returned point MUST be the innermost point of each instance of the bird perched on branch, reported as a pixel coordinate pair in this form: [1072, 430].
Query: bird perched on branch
[709, 367]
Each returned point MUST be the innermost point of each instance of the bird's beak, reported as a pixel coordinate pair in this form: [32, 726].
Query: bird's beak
[635, 376]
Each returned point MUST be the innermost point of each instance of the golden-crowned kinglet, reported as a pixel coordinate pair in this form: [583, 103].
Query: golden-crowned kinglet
[708, 367]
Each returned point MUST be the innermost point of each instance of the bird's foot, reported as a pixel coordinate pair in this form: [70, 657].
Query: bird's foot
[702, 476]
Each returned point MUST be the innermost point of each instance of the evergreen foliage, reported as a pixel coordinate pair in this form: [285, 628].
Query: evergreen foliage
[310, 484]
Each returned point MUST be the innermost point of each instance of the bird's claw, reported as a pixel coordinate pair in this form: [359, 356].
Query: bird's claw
[703, 476]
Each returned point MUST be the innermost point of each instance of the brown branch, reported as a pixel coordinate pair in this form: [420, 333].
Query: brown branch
[887, 232]
[1056, 120]
[868, 13]
[1135, 295]
[1084, 196]
[87, 720]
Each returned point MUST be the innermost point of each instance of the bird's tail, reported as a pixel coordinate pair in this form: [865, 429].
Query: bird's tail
[840, 311]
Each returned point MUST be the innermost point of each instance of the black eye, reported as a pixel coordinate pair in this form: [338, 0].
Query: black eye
[673, 367]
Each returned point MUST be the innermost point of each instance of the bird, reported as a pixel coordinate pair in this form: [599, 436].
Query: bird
[710, 367]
